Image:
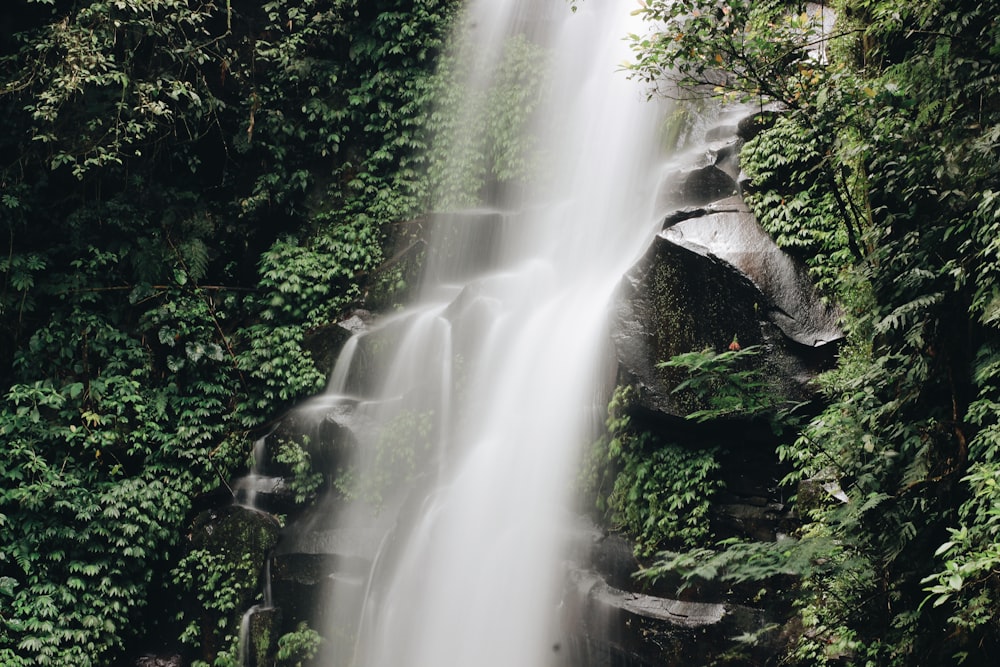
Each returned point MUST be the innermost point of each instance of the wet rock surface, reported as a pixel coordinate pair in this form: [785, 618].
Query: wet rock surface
[324, 343]
[237, 539]
[728, 231]
[262, 626]
[711, 280]
[610, 626]
[673, 301]
[174, 660]
[713, 277]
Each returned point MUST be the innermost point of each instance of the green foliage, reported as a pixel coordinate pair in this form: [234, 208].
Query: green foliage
[735, 561]
[662, 497]
[729, 384]
[660, 492]
[190, 188]
[793, 200]
[220, 584]
[741, 49]
[277, 371]
[880, 172]
[112, 80]
[297, 647]
[97, 481]
[304, 481]
[966, 579]
[220, 578]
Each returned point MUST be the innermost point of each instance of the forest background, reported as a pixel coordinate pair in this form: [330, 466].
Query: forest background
[192, 188]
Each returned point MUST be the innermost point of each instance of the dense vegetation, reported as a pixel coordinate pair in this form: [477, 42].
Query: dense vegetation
[878, 165]
[189, 187]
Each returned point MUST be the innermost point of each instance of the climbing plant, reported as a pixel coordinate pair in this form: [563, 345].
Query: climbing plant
[188, 190]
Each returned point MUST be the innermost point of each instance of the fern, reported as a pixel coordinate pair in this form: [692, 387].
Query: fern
[907, 315]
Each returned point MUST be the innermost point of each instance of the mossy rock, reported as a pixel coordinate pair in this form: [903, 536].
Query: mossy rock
[237, 541]
[236, 530]
[675, 301]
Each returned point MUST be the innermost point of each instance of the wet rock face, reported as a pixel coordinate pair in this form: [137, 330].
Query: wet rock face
[702, 185]
[713, 276]
[727, 230]
[159, 661]
[619, 628]
[300, 582]
[325, 343]
[234, 531]
[710, 278]
[674, 301]
[262, 631]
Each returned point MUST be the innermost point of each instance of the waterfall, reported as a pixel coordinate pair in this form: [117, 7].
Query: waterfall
[469, 410]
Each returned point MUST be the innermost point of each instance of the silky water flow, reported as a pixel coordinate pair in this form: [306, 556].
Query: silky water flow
[468, 411]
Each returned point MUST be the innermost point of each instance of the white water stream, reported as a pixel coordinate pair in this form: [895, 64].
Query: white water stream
[471, 408]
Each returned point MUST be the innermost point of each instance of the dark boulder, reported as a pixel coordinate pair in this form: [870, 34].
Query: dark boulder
[608, 626]
[325, 426]
[266, 493]
[711, 278]
[755, 123]
[729, 231]
[259, 634]
[700, 185]
[675, 300]
[325, 343]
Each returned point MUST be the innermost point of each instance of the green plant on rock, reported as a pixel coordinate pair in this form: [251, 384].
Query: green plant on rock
[220, 586]
[660, 492]
[729, 384]
[297, 647]
[220, 577]
[304, 481]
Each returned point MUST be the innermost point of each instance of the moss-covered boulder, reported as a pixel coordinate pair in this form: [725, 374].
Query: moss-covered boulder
[223, 574]
[713, 279]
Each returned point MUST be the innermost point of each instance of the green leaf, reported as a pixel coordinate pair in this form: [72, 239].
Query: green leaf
[7, 586]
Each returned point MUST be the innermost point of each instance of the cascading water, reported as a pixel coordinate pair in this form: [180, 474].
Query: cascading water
[468, 411]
